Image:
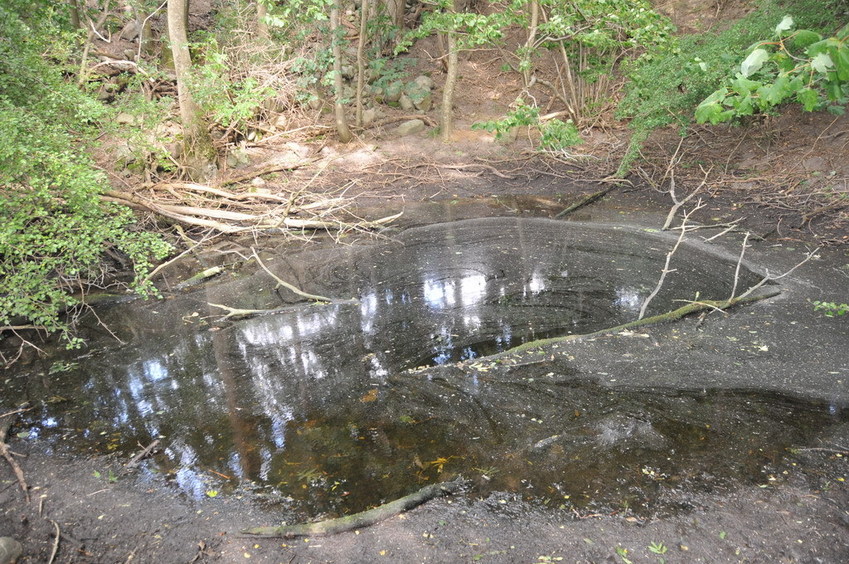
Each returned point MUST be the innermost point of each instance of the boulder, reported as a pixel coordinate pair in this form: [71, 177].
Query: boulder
[410, 127]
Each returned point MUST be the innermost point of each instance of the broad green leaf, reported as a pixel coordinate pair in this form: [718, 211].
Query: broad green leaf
[708, 112]
[776, 92]
[805, 38]
[744, 106]
[840, 57]
[822, 62]
[815, 49]
[809, 99]
[785, 24]
[754, 62]
[745, 86]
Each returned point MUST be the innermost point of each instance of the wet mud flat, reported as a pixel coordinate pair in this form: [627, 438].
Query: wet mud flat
[315, 410]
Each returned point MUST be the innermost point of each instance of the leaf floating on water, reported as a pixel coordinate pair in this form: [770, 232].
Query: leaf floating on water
[370, 396]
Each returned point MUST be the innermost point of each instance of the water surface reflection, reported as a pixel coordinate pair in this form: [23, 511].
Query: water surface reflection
[325, 405]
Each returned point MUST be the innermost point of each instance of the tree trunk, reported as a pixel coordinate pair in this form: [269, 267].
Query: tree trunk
[533, 24]
[447, 110]
[261, 13]
[75, 14]
[197, 144]
[395, 11]
[338, 106]
[361, 60]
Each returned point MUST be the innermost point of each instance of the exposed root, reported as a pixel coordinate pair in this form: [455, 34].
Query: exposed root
[362, 519]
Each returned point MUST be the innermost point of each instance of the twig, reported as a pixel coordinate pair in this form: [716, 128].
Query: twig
[141, 29]
[769, 278]
[7, 454]
[666, 270]
[55, 542]
[146, 451]
[281, 282]
[676, 205]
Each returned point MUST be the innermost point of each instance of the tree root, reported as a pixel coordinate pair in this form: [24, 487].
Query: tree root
[5, 424]
[362, 519]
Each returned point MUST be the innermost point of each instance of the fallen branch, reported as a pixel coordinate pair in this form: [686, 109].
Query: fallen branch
[268, 168]
[237, 313]
[585, 201]
[674, 315]
[362, 519]
[666, 270]
[281, 282]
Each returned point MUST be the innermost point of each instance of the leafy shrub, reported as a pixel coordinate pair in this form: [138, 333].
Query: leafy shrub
[795, 65]
[54, 227]
[555, 135]
[667, 84]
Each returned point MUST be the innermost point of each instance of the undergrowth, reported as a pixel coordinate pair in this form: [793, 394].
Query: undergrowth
[54, 227]
[666, 85]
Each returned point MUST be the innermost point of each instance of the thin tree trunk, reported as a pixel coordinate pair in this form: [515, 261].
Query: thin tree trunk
[338, 107]
[75, 14]
[361, 60]
[197, 144]
[529, 44]
[261, 13]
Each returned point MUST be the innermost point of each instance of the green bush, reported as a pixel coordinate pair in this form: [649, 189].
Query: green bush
[54, 227]
[666, 85]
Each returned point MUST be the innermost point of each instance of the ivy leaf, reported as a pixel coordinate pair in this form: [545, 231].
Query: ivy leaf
[785, 24]
[822, 63]
[754, 62]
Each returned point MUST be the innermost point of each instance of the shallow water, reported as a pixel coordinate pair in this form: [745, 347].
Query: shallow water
[332, 408]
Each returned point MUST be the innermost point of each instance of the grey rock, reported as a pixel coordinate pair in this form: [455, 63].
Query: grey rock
[410, 127]
[369, 116]
[394, 91]
[10, 550]
[425, 103]
[406, 103]
[424, 82]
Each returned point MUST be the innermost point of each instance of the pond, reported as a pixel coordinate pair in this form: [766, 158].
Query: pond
[330, 408]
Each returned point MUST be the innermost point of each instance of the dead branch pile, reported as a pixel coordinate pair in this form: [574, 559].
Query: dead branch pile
[242, 209]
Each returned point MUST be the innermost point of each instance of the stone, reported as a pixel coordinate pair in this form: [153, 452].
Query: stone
[410, 127]
[406, 103]
[10, 550]
[424, 103]
[394, 91]
[369, 116]
[424, 82]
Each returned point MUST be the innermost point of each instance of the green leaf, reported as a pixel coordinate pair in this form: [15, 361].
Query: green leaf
[805, 38]
[822, 62]
[841, 61]
[786, 24]
[809, 99]
[745, 86]
[754, 62]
